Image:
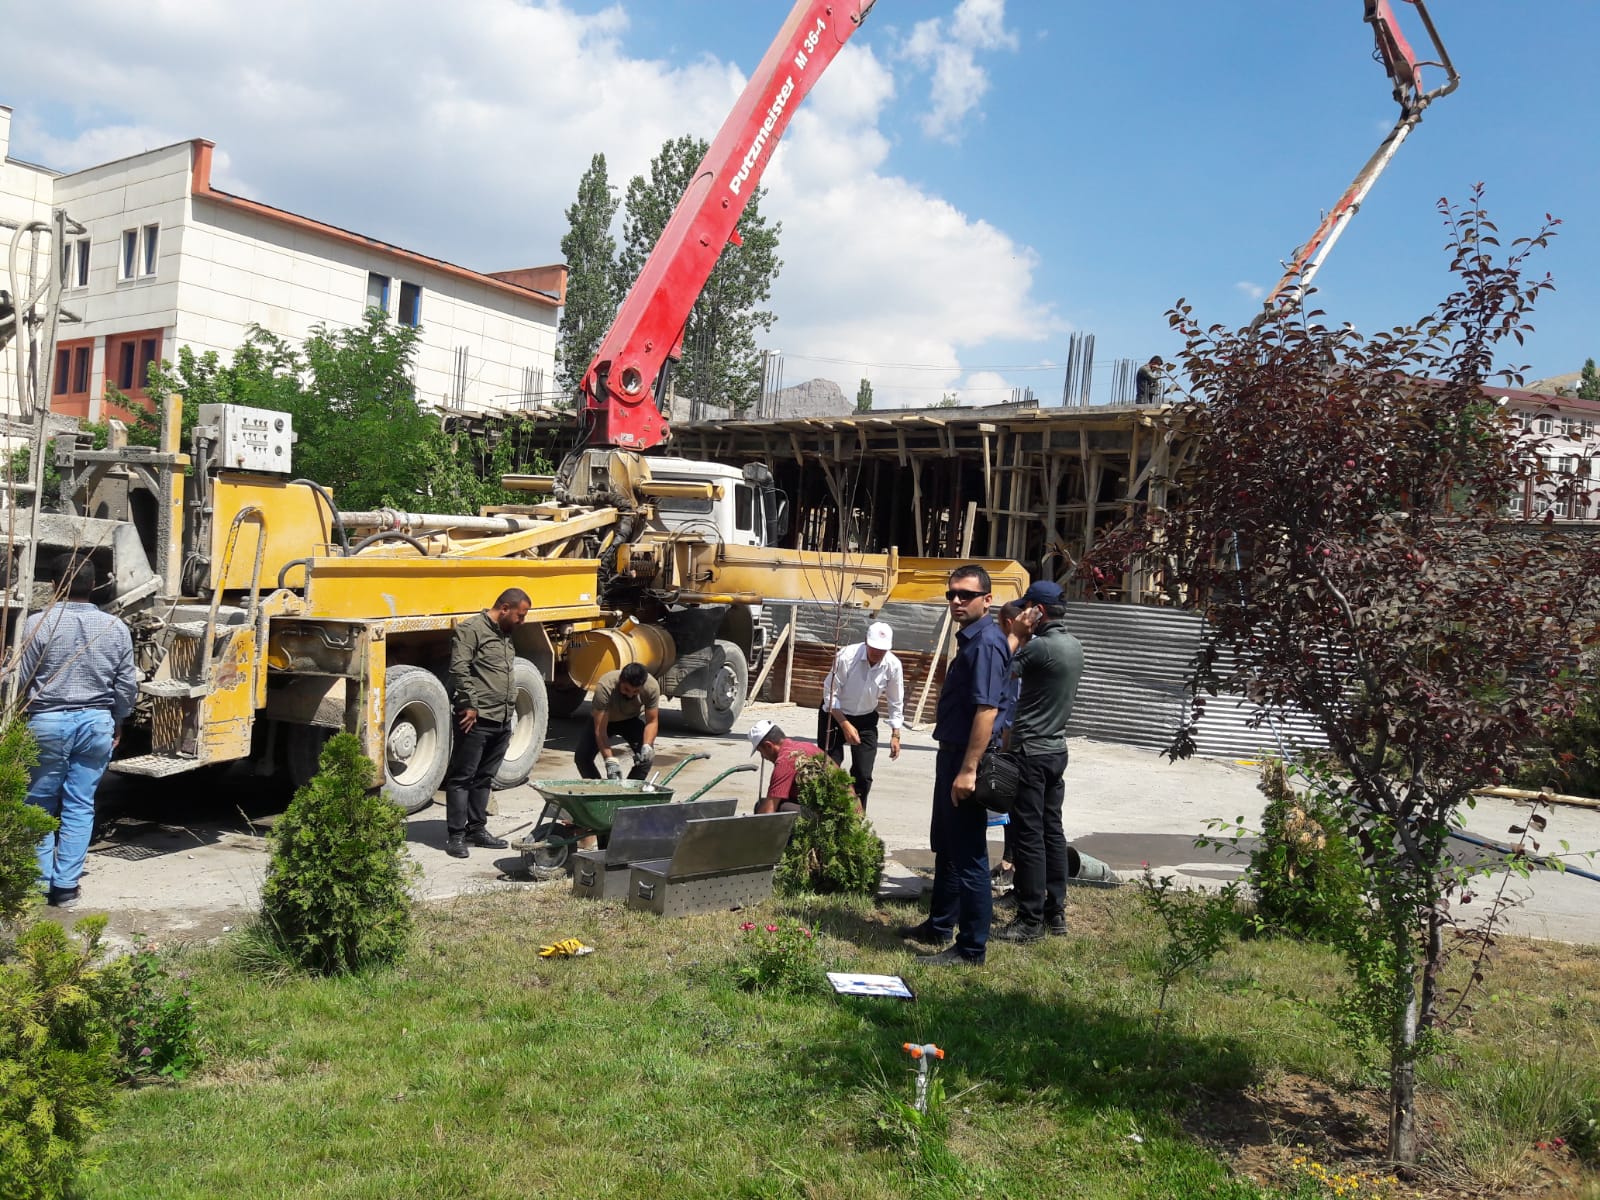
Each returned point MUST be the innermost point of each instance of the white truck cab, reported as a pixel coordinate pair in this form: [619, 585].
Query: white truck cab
[750, 512]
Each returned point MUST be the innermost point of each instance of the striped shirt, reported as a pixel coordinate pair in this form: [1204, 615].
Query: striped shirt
[74, 656]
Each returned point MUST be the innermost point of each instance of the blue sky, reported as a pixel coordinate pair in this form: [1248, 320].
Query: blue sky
[1104, 161]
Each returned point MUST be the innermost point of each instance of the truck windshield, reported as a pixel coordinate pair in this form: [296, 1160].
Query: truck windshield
[694, 507]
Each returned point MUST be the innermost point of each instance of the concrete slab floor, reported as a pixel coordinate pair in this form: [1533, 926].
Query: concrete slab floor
[186, 856]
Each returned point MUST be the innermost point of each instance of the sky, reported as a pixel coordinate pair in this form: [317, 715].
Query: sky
[971, 183]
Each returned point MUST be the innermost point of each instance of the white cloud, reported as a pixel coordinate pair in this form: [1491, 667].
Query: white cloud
[1253, 291]
[948, 47]
[461, 131]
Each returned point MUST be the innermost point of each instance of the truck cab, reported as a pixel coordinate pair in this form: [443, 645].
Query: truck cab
[749, 511]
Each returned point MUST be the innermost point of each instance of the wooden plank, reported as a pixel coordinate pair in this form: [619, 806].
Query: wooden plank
[772, 657]
[788, 662]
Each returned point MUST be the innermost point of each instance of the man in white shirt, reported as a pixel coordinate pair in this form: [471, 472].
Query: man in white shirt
[862, 675]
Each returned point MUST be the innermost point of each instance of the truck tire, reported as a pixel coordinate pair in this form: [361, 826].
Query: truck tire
[724, 697]
[528, 727]
[416, 736]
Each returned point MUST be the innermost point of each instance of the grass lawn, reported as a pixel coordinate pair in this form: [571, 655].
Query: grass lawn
[477, 1069]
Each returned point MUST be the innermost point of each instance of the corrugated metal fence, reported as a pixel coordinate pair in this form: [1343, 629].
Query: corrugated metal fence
[1133, 690]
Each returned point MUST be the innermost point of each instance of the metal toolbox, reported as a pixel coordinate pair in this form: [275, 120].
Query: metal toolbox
[650, 831]
[719, 863]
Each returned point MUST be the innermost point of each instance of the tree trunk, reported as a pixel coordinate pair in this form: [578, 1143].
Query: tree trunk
[1403, 1078]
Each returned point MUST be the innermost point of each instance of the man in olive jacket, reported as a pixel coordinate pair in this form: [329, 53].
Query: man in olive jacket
[1048, 669]
[483, 695]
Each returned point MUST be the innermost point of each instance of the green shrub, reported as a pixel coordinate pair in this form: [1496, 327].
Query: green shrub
[335, 896]
[152, 1016]
[833, 849]
[1305, 871]
[56, 1058]
[779, 956]
[1569, 760]
[21, 823]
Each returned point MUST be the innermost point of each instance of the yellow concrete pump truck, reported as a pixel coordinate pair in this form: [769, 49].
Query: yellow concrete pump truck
[265, 618]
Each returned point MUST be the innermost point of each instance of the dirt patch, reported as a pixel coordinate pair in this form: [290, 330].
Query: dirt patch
[1293, 1126]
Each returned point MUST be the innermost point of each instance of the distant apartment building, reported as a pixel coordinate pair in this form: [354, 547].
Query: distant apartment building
[1569, 432]
[167, 260]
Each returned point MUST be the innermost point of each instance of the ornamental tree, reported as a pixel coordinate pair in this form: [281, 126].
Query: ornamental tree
[1344, 529]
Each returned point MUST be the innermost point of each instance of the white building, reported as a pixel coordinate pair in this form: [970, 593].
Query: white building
[168, 261]
[1568, 430]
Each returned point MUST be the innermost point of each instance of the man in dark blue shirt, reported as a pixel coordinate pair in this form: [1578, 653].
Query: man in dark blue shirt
[974, 689]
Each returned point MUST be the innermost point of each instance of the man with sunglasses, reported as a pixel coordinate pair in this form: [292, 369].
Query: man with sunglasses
[974, 689]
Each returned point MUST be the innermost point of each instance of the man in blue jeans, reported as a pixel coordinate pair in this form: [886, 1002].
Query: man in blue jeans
[973, 690]
[79, 682]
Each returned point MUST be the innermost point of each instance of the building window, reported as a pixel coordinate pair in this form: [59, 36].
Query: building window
[410, 312]
[1514, 506]
[152, 241]
[130, 254]
[129, 357]
[378, 292]
[69, 387]
[75, 263]
[1547, 425]
[82, 276]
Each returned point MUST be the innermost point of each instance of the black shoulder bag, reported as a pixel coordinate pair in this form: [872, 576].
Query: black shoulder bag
[998, 774]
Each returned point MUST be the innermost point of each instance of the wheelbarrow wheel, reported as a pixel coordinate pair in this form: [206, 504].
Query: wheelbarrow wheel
[549, 861]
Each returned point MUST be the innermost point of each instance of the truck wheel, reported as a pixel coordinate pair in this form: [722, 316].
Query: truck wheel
[531, 720]
[725, 694]
[416, 736]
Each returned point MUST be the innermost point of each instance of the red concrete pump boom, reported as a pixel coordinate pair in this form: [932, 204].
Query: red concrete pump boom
[1405, 73]
[622, 390]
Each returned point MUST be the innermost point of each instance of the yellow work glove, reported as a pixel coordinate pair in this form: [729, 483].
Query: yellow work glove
[565, 948]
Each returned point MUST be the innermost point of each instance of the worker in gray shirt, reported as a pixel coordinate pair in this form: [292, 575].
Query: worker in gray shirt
[1047, 669]
[79, 684]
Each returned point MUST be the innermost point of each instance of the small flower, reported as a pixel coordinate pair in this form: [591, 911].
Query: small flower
[772, 929]
[748, 926]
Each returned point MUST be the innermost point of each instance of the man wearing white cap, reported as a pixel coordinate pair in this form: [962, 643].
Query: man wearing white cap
[784, 753]
[862, 674]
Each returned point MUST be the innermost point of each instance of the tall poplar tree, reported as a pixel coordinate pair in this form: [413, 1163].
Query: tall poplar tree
[721, 363]
[592, 294]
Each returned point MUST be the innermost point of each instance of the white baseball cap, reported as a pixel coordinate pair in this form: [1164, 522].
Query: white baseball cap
[880, 636]
[758, 734]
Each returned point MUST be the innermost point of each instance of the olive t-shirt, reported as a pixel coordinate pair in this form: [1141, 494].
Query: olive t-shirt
[608, 695]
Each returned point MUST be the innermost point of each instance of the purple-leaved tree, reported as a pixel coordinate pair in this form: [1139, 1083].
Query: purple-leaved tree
[1343, 528]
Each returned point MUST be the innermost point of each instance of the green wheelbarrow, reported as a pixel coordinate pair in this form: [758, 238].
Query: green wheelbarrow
[577, 808]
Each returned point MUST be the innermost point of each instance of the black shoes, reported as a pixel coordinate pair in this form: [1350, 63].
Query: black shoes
[924, 933]
[482, 837]
[61, 897]
[455, 846]
[1023, 932]
[950, 957]
[1056, 926]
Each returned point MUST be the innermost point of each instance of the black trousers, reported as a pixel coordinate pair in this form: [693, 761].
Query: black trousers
[474, 759]
[631, 729]
[831, 738]
[1038, 843]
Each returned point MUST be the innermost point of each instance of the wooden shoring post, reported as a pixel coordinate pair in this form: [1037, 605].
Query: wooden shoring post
[788, 657]
[1016, 527]
[1092, 503]
[917, 514]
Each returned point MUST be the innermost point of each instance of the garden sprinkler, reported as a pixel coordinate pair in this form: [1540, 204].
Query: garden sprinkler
[922, 1054]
